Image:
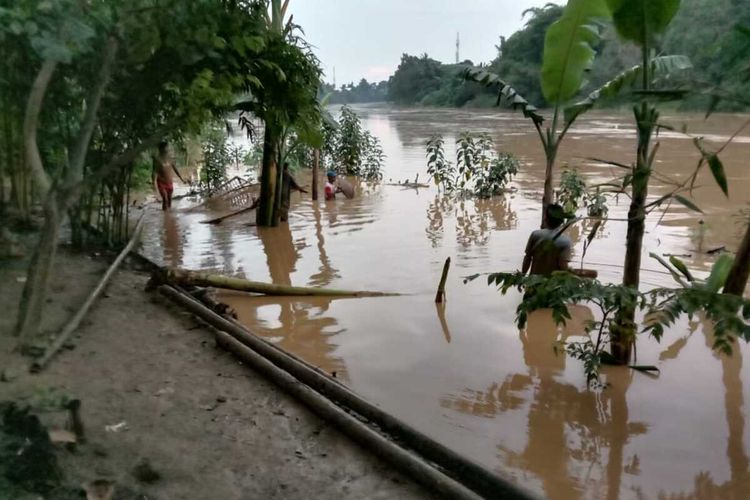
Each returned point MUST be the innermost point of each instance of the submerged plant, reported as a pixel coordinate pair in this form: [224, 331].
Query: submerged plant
[354, 150]
[478, 169]
[216, 157]
[729, 314]
[572, 190]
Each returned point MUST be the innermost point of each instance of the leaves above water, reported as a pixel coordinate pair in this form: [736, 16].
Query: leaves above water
[717, 170]
[641, 20]
[506, 93]
[569, 48]
[661, 66]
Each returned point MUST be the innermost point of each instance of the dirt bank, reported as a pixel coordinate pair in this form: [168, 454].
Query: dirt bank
[211, 427]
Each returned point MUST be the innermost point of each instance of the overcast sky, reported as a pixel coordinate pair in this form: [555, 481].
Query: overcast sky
[365, 38]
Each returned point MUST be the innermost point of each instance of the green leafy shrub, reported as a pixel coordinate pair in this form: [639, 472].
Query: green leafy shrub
[216, 157]
[355, 151]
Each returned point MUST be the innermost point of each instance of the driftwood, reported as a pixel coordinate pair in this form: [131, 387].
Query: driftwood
[39, 364]
[412, 185]
[217, 220]
[186, 278]
[440, 296]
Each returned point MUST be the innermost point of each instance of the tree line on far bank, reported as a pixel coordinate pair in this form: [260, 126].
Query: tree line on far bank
[708, 30]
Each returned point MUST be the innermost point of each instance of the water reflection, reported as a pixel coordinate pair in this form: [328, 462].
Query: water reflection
[569, 429]
[472, 218]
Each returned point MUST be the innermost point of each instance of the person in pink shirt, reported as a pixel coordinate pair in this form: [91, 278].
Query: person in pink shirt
[331, 188]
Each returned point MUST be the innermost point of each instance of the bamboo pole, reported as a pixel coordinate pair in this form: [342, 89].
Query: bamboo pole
[440, 296]
[410, 464]
[39, 364]
[475, 477]
[191, 278]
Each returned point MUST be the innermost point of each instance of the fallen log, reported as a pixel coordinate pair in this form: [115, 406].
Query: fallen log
[39, 364]
[182, 277]
[485, 483]
[413, 185]
[217, 220]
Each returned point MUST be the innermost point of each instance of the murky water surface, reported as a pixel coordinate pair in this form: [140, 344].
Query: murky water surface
[465, 375]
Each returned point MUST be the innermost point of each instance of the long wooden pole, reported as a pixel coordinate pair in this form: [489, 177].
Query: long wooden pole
[191, 278]
[484, 482]
[39, 364]
[440, 296]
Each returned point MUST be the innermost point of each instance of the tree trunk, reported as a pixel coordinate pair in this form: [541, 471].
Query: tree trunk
[268, 176]
[40, 271]
[548, 196]
[315, 167]
[623, 334]
[738, 276]
[182, 277]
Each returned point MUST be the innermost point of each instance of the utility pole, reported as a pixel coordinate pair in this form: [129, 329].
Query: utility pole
[458, 44]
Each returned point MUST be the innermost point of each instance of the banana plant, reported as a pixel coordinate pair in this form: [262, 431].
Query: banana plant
[569, 50]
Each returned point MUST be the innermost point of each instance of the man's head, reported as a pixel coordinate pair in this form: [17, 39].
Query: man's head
[163, 145]
[331, 176]
[555, 215]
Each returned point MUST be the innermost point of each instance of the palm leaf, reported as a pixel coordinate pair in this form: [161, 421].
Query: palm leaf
[506, 94]
[660, 66]
[569, 48]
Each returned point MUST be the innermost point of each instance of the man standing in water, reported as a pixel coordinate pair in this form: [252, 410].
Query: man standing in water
[288, 184]
[546, 251]
[331, 188]
[161, 175]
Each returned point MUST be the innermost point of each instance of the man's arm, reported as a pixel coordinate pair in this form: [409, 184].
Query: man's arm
[174, 167]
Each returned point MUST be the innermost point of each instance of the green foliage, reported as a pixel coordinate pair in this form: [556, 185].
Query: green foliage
[478, 170]
[572, 191]
[495, 178]
[641, 21]
[440, 170]
[364, 91]
[354, 150]
[569, 48]
[216, 157]
[729, 314]
[596, 203]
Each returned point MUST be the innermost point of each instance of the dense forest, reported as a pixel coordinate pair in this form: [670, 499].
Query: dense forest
[707, 30]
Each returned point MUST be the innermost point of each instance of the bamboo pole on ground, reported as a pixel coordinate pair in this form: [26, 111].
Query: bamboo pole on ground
[190, 278]
[410, 464]
[440, 296]
[475, 477]
[39, 364]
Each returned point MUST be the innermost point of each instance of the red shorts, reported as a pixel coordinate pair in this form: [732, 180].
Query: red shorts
[165, 187]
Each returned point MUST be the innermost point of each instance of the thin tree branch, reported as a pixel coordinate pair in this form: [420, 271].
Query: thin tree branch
[31, 123]
[78, 153]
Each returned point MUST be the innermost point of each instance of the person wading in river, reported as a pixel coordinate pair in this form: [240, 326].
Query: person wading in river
[331, 188]
[288, 184]
[161, 175]
[547, 251]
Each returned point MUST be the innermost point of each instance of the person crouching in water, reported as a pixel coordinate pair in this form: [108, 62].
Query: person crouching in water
[331, 187]
[546, 251]
[161, 175]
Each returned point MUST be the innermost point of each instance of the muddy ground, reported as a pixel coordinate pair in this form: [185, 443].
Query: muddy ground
[211, 427]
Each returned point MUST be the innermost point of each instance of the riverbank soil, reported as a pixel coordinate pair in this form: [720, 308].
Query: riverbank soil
[166, 414]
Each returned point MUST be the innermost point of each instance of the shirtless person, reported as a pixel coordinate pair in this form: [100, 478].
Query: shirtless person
[546, 251]
[161, 175]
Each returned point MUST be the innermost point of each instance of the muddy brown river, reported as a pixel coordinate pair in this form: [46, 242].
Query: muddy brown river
[465, 375]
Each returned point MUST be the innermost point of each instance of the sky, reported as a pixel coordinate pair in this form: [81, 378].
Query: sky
[365, 38]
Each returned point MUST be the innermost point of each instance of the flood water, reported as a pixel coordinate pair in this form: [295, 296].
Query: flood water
[464, 374]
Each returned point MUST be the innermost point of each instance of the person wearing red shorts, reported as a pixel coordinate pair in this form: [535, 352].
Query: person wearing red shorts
[161, 175]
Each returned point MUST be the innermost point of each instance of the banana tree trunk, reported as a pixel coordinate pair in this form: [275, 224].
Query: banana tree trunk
[741, 268]
[548, 196]
[183, 277]
[623, 335]
[268, 177]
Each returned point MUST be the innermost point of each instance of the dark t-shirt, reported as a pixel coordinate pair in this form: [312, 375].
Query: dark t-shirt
[548, 254]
